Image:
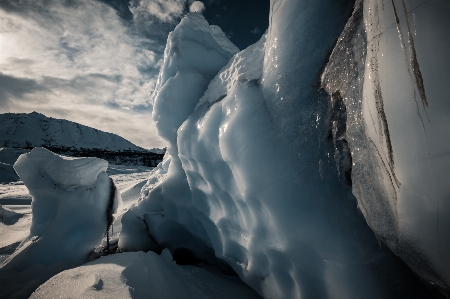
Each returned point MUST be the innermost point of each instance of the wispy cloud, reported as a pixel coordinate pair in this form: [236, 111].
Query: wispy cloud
[79, 60]
[163, 10]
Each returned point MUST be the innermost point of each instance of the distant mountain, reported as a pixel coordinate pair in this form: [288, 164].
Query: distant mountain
[27, 130]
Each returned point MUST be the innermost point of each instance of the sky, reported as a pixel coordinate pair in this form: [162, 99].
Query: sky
[97, 62]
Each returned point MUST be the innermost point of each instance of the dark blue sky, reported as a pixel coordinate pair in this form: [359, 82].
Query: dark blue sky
[243, 21]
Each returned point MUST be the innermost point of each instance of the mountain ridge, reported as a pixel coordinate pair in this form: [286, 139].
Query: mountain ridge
[27, 130]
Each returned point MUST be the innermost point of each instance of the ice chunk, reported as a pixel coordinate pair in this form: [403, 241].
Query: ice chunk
[73, 201]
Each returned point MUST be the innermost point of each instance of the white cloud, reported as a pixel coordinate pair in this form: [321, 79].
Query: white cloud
[197, 6]
[164, 10]
[79, 62]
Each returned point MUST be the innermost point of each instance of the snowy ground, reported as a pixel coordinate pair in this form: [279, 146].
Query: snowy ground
[15, 217]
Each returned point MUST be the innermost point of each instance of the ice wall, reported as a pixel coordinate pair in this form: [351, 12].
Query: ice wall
[393, 80]
[252, 178]
[73, 198]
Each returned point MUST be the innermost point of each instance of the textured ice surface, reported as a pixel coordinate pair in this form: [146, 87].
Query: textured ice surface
[252, 177]
[390, 69]
[71, 197]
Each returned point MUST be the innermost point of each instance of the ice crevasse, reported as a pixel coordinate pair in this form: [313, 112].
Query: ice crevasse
[265, 166]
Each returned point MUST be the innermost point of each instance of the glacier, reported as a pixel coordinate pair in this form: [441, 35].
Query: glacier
[267, 158]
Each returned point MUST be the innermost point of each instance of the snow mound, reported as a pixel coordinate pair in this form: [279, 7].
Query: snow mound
[72, 205]
[6, 214]
[141, 275]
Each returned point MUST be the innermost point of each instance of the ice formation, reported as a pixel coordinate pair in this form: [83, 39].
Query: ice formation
[260, 169]
[142, 275]
[73, 201]
[393, 81]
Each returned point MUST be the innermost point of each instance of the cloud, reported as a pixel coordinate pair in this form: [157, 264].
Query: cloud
[197, 6]
[15, 87]
[167, 11]
[79, 60]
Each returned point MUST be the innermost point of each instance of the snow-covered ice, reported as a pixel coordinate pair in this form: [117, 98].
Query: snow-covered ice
[15, 197]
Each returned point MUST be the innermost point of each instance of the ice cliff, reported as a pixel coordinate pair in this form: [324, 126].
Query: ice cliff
[267, 147]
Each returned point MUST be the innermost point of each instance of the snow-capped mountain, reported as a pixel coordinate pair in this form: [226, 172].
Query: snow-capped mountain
[25, 130]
